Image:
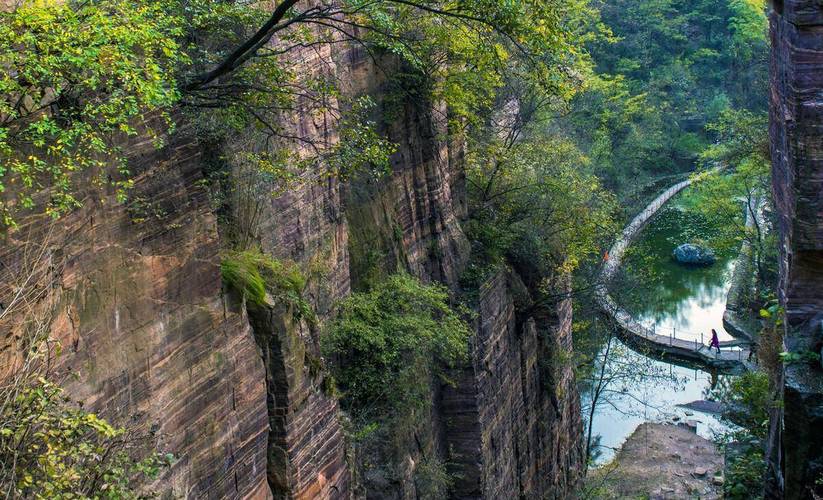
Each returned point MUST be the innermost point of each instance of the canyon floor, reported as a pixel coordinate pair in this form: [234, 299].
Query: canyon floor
[660, 462]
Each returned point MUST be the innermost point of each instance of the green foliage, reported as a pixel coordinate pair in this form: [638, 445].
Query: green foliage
[77, 75]
[432, 479]
[387, 344]
[745, 473]
[51, 449]
[749, 26]
[467, 49]
[534, 205]
[748, 400]
[360, 148]
[672, 68]
[800, 357]
[254, 274]
[744, 188]
[82, 76]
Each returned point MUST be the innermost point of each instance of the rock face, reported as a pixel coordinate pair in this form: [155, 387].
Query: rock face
[694, 255]
[796, 132]
[147, 336]
[240, 397]
[513, 425]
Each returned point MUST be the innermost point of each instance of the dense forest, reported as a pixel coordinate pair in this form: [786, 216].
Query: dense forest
[392, 191]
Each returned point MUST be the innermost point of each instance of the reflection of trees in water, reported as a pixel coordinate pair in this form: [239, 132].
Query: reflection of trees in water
[651, 284]
[619, 378]
[614, 378]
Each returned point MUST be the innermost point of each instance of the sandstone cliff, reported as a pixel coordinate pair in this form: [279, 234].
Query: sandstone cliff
[797, 157]
[134, 295]
[151, 338]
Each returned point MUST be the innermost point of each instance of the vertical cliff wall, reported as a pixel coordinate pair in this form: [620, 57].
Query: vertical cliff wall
[796, 105]
[513, 426]
[152, 340]
[134, 295]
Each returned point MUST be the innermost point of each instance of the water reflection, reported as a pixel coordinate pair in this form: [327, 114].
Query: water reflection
[654, 399]
[690, 300]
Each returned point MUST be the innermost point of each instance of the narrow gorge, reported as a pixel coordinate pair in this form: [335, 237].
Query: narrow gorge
[354, 249]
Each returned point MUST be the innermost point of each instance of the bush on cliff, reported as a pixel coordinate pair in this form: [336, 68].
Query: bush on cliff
[50, 448]
[387, 344]
[387, 348]
[253, 274]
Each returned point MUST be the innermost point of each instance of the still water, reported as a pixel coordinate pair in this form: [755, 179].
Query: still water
[668, 295]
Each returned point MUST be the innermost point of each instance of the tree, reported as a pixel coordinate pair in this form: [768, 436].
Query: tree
[387, 348]
[608, 372]
[81, 75]
[532, 204]
[742, 146]
[386, 344]
[76, 74]
[669, 70]
[51, 447]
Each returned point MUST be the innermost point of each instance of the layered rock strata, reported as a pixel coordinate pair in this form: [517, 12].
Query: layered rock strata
[135, 298]
[513, 427]
[796, 132]
[152, 340]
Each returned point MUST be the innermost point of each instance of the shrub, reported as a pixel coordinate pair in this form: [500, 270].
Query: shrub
[52, 449]
[386, 345]
[75, 76]
[744, 476]
[748, 400]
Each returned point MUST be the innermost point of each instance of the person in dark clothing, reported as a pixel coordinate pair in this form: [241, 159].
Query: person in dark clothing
[715, 341]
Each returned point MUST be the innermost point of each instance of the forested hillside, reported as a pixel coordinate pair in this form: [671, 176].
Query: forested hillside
[668, 72]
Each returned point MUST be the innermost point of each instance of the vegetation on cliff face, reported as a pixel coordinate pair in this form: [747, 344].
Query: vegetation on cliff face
[75, 75]
[255, 275]
[82, 76]
[387, 348]
[50, 448]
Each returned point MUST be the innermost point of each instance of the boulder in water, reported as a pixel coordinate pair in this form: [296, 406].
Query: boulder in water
[694, 255]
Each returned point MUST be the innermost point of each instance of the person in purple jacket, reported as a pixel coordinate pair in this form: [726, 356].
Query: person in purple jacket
[715, 341]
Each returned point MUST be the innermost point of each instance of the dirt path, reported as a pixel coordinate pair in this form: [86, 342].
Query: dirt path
[660, 461]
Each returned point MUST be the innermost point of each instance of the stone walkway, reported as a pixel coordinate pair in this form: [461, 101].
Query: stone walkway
[733, 355]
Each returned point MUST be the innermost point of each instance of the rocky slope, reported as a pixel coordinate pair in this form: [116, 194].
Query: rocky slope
[660, 462]
[797, 156]
[151, 339]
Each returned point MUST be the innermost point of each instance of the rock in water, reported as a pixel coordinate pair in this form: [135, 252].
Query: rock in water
[694, 255]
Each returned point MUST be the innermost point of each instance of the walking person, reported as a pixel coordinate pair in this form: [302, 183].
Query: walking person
[715, 341]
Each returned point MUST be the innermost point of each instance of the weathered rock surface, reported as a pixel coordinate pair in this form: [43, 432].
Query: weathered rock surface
[513, 423]
[151, 338]
[796, 130]
[694, 255]
[147, 336]
[660, 462]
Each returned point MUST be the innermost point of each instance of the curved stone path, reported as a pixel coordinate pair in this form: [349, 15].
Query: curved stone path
[652, 341]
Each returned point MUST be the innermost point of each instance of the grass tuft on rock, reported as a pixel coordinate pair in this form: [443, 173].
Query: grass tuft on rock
[254, 274]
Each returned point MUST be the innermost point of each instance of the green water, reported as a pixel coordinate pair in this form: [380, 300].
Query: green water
[687, 300]
[660, 292]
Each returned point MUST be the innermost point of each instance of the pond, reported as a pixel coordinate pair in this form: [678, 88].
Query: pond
[663, 293]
